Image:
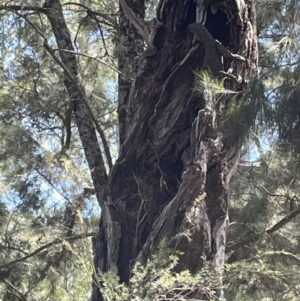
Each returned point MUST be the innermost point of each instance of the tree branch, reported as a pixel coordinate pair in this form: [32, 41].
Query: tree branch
[12, 248]
[37, 9]
[249, 239]
[40, 9]
[94, 58]
[268, 192]
[84, 100]
[113, 21]
[284, 221]
[54, 242]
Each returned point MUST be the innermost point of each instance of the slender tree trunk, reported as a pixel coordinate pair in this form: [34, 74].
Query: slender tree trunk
[172, 174]
[83, 117]
[77, 96]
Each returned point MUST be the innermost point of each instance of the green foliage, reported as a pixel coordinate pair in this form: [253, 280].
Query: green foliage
[263, 277]
[238, 109]
[206, 83]
[60, 271]
[158, 280]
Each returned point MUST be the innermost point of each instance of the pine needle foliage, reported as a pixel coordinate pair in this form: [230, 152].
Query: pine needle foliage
[239, 109]
[279, 60]
[264, 192]
[158, 280]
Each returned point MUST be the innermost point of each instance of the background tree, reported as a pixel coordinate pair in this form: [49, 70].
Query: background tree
[45, 176]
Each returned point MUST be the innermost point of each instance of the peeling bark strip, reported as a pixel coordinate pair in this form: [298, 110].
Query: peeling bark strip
[129, 44]
[174, 167]
[83, 120]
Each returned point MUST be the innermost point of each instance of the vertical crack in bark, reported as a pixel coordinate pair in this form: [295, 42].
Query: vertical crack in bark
[191, 188]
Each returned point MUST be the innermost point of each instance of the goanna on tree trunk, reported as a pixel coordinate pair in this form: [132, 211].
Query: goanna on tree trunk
[174, 168]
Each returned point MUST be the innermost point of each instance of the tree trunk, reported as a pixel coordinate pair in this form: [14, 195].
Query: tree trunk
[174, 168]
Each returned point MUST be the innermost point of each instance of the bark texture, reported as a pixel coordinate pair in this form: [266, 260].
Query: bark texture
[174, 167]
[129, 45]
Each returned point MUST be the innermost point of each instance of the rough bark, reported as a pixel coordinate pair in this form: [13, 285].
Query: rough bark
[172, 174]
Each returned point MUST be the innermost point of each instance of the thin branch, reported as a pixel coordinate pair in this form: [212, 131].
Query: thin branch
[54, 242]
[22, 297]
[77, 31]
[284, 221]
[12, 248]
[52, 185]
[269, 253]
[38, 9]
[107, 17]
[93, 17]
[268, 192]
[102, 37]
[93, 58]
[250, 239]
[84, 100]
